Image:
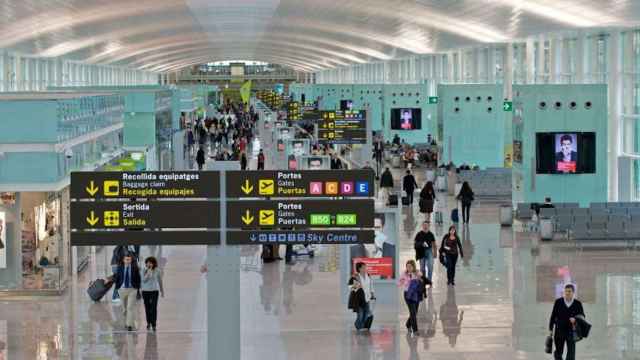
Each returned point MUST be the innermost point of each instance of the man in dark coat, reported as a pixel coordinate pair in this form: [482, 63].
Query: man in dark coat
[563, 318]
[409, 185]
[386, 184]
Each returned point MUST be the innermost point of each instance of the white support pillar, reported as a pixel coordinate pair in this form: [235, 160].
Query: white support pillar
[491, 65]
[581, 58]
[507, 71]
[530, 61]
[19, 73]
[556, 54]
[615, 80]
[541, 77]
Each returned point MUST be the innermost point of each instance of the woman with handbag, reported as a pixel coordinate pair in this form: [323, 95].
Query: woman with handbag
[449, 250]
[411, 282]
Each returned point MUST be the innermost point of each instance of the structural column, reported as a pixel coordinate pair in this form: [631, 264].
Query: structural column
[223, 285]
[615, 110]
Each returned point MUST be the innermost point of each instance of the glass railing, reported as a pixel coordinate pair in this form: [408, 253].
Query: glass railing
[80, 116]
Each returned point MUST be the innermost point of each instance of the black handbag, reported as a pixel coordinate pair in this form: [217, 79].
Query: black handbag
[548, 345]
[443, 259]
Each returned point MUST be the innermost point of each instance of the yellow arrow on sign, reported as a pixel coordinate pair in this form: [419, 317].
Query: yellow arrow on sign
[92, 189]
[247, 188]
[92, 219]
[247, 219]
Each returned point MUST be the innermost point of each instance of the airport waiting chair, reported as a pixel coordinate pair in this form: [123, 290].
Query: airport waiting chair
[547, 212]
[579, 233]
[628, 204]
[616, 229]
[564, 211]
[599, 218]
[597, 234]
[633, 211]
[598, 205]
[580, 211]
[618, 211]
[563, 223]
[611, 205]
[598, 212]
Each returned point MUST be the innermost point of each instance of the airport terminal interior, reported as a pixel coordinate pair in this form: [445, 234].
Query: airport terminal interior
[320, 179]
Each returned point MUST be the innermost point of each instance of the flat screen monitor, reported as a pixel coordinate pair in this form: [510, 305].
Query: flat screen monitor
[406, 119]
[346, 105]
[566, 153]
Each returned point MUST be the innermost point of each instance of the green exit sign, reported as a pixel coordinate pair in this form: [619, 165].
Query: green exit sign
[320, 219]
[433, 99]
[346, 219]
[507, 106]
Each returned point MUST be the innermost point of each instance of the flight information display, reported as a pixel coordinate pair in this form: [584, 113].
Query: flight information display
[343, 127]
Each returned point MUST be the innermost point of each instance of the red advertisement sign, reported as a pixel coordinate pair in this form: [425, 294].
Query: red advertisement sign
[377, 266]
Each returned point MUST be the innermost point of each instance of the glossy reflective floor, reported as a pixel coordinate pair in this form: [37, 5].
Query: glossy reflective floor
[499, 309]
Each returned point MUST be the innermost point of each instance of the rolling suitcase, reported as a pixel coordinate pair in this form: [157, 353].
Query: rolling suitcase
[393, 200]
[438, 217]
[405, 201]
[441, 183]
[98, 288]
[455, 217]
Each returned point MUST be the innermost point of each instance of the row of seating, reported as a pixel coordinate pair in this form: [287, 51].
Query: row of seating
[524, 211]
[551, 212]
[568, 222]
[491, 182]
[580, 234]
[612, 205]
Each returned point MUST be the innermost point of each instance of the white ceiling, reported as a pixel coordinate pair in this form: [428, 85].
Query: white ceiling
[308, 35]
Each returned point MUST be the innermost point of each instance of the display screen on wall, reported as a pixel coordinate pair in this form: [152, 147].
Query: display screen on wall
[406, 119]
[566, 153]
[346, 105]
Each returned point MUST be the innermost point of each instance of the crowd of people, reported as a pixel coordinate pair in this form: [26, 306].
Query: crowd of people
[228, 133]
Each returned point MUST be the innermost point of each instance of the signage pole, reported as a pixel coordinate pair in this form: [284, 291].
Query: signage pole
[223, 284]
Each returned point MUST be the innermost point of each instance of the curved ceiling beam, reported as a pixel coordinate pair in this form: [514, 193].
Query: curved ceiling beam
[282, 37]
[206, 58]
[120, 34]
[125, 52]
[261, 55]
[68, 47]
[49, 20]
[185, 53]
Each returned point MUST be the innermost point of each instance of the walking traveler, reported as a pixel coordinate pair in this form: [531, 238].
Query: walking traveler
[449, 250]
[386, 184]
[411, 281]
[567, 312]
[427, 199]
[409, 185]
[361, 296]
[243, 161]
[466, 198]
[200, 158]
[151, 287]
[425, 246]
[127, 280]
[116, 259]
[261, 160]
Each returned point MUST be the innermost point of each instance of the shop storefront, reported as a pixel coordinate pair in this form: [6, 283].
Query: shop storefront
[84, 133]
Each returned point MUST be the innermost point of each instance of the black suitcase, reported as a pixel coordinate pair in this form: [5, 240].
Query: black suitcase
[393, 200]
[97, 289]
[405, 201]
